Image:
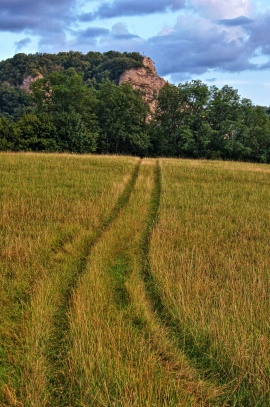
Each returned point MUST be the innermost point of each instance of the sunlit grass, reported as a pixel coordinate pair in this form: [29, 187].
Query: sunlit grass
[210, 260]
[120, 354]
[51, 206]
[128, 283]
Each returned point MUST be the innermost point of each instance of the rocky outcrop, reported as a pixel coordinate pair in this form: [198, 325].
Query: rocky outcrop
[28, 80]
[146, 80]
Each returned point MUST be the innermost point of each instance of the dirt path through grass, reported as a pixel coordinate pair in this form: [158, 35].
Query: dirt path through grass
[46, 318]
[93, 329]
[45, 237]
[119, 354]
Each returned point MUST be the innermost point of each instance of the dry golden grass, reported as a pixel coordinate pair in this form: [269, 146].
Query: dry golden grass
[120, 354]
[52, 207]
[210, 260]
[128, 284]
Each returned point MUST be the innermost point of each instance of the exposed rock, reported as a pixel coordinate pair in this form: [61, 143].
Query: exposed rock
[146, 80]
[28, 80]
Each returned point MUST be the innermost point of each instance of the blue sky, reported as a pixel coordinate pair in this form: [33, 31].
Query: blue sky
[218, 41]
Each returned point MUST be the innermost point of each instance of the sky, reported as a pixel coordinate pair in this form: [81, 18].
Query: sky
[220, 42]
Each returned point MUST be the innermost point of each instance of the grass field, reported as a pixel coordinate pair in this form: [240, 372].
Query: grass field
[128, 282]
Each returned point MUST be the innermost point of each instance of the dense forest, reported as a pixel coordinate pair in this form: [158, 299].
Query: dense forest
[77, 106]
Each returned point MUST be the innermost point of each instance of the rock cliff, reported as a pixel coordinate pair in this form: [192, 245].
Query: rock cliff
[28, 80]
[146, 80]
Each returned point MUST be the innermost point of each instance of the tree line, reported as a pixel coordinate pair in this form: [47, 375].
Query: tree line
[67, 112]
[194, 120]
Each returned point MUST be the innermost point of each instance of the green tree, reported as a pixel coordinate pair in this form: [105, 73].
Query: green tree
[36, 133]
[256, 124]
[194, 98]
[223, 107]
[7, 135]
[181, 128]
[72, 104]
[168, 119]
[13, 102]
[73, 133]
[122, 118]
[60, 92]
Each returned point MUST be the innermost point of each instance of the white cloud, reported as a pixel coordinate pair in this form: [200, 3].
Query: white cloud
[166, 30]
[120, 29]
[216, 9]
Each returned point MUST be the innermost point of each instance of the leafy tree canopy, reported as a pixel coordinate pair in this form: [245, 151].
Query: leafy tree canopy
[90, 65]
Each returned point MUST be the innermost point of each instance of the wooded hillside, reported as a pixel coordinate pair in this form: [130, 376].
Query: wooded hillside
[91, 65]
[74, 104]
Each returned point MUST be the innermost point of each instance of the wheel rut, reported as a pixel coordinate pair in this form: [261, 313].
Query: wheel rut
[110, 317]
[178, 340]
[107, 329]
[43, 376]
[59, 348]
[116, 319]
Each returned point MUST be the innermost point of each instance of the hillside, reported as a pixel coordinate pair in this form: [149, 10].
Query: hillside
[116, 103]
[93, 65]
[22, 70]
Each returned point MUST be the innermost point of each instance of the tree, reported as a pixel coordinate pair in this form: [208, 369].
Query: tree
[224, 105]
[180, 120]
[72, 104]
[59, 92]
[122, 120]
[36, 133]
[168, 118]
[257, 131]
[13, 102]
[73, 134]
[194, 98]
[7, 135]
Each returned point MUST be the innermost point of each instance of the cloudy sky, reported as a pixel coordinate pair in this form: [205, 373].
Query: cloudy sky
[218, 41]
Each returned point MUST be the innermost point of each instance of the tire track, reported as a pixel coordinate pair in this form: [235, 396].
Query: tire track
[59, 348]
[111, 322]
[108, 339]
[155, 323]
[179, 338]
[44, 376]
[146, 240]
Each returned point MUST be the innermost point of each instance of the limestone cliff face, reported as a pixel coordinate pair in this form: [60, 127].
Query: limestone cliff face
[146, 80]
[27, 82]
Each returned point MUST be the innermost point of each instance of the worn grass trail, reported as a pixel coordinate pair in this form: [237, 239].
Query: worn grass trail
[133, 283]
[63, 204]
[46, 318]
[119, 354]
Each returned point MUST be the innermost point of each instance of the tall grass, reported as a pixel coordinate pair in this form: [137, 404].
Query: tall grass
[120, 355]
[51, 208]
[111, 363]
[126, 283]
[210, 261]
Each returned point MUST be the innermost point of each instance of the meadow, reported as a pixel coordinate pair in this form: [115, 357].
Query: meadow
[133, 282]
